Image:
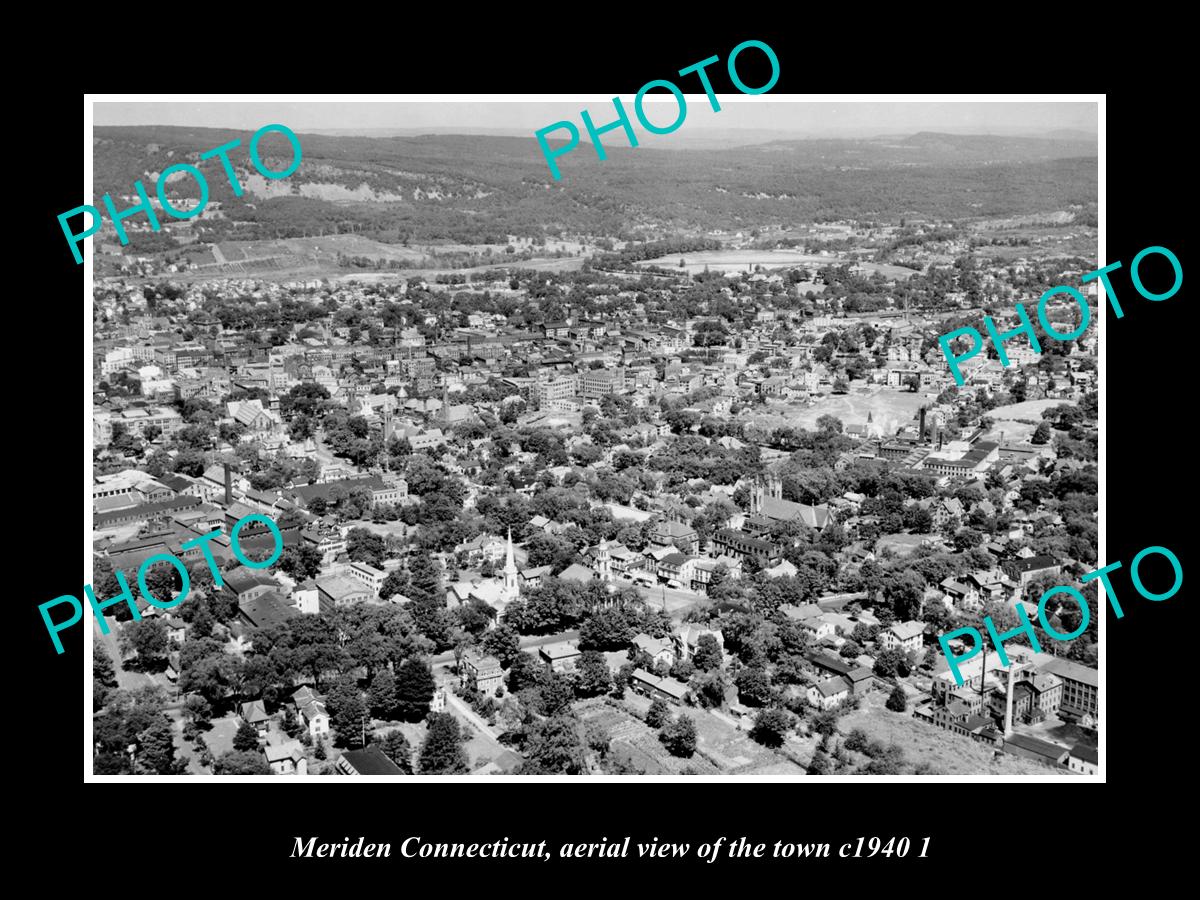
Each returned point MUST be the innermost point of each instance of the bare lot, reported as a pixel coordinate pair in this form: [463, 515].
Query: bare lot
[888, 407]
[1014, 420]
[947, 753]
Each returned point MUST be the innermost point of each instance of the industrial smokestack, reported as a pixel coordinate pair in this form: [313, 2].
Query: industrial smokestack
[228, 485]
[1008, 704]
[921, 432]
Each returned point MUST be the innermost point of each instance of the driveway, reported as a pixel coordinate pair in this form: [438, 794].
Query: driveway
[125, 680]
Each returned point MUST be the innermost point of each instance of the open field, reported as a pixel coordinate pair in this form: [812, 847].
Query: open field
[889, 407]
[1030, 409]
[366, 276]
[745, 260]
[1014, 420]
[316, 257]
[947, 753]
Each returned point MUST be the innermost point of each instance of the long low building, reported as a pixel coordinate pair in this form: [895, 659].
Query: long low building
[143, 513]
[740, 545]
[653, 686]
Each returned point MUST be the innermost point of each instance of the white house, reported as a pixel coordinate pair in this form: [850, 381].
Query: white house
[906, 637]
[829, 693]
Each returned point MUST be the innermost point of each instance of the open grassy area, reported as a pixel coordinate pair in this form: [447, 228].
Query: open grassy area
[889, 408]
[746, 260]
[946, 753]
[1018, 421]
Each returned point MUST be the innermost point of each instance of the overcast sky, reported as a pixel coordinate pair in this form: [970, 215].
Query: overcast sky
[839, 118]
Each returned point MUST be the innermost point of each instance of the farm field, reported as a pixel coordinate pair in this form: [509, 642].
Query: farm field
[324, 248]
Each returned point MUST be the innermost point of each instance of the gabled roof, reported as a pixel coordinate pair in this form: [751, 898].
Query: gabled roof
[831, 687]
[371, 761]
[254, 712]
[1086, 753]
[907, 630]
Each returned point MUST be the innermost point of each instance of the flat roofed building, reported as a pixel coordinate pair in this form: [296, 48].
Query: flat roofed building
[1080, 689]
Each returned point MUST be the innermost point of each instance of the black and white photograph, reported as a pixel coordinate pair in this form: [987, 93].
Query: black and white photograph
[467, 438]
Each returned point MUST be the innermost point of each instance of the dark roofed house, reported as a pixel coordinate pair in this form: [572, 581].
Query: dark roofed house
[831, 664]
[1026, 570]
[368, 761]
[532, 577]
[255, 713]
[860, 679]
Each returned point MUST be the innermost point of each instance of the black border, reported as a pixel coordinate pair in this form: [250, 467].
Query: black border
[980, 830]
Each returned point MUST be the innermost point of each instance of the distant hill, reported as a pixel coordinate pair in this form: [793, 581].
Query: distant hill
[475, 188]
[929, 148]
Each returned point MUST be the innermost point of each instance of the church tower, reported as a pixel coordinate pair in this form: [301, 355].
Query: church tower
[603, 562]
[510, 572]
[775, 487]
[756, 497]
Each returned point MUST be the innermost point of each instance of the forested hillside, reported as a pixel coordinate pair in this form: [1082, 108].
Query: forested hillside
[478, 189]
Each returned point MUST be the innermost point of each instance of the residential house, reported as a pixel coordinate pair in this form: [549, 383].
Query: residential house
[483, 673]
[659, 649]
[532, 577]
[907, 637]
[560, 655]
[653, 686]
[687, 639]
[678, 568]
[1031, 568]
[311, 711]
[287, 758]
[675, 533]
[829, 693]
[255, 713]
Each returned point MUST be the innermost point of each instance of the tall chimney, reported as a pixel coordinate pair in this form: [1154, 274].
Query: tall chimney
[1008, 704]
[228, 485]
[921, 433]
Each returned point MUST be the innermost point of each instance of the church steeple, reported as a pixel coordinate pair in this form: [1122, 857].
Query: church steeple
[510, 571]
